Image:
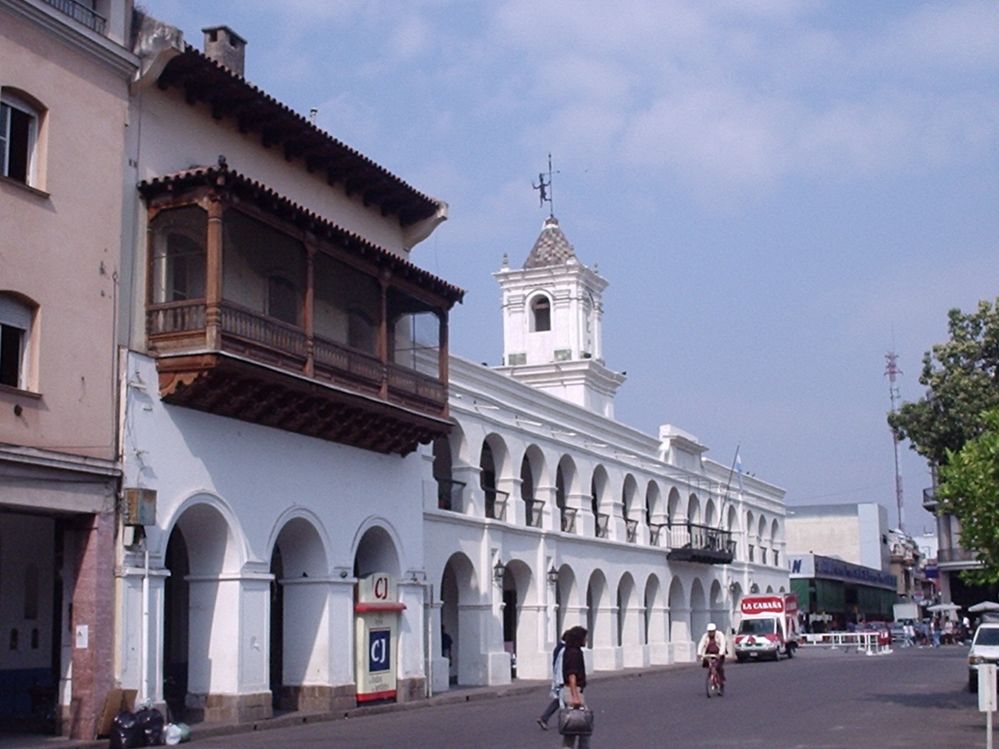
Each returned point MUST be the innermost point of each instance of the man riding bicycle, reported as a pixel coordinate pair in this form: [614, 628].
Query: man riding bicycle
[713, 643]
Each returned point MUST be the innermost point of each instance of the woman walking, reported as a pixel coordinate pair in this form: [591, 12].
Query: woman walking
[574, 679]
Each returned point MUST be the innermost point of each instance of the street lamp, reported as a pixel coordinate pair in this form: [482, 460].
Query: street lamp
[499, 570]
[553, 576]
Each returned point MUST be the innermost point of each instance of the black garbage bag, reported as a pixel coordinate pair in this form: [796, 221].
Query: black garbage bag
[125, 731]
[150, 722]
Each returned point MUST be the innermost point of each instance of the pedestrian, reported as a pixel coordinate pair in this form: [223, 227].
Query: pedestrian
[935, 631]
[574, 678]
[446, 643]
[557, 684]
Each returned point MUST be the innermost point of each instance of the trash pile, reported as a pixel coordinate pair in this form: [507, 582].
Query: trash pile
[146, 727]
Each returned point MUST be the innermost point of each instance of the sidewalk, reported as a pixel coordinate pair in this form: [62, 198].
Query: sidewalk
[286, 720]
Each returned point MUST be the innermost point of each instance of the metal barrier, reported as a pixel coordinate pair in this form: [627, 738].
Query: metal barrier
[870, 643]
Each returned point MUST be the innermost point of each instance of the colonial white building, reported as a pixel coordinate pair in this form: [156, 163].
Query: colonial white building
[307, 470]
[546, 512]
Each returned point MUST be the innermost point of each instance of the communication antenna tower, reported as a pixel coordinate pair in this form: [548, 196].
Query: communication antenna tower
[892, 372]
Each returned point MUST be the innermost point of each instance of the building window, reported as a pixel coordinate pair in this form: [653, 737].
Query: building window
[18, 138]
[15, 329]
[283, 300]
[541, 314]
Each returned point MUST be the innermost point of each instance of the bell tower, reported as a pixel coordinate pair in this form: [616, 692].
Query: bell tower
[552, 324]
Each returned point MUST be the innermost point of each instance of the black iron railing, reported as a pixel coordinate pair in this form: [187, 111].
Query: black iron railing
[80, 12]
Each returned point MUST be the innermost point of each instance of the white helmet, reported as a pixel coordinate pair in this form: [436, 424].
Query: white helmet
[712, 627]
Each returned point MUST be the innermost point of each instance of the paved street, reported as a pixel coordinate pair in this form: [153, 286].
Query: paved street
[819, 700]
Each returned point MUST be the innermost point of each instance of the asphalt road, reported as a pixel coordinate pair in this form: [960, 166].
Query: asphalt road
[818, 700]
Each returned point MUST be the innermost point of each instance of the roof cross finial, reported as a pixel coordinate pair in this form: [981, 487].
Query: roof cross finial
[544, 189]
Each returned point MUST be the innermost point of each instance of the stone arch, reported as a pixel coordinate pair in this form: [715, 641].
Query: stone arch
[719, 612]
[630, 625]
[495, 471]
[205, 551]
[376, 549]
[521, 618]
[694, 509]
[710, 518]
[533, 473]
[600, 500]
[299, 643]
[655, 624]
[673, 505]
[699, 613]
[461, 620]
[629, 496]
[447, 452]
[567, 608]
[566, 484]
[679, 619]
[654, 510]
[598, 621]
[732, 520]
[761, 535]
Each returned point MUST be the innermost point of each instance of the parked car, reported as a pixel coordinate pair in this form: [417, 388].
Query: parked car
[984, 649]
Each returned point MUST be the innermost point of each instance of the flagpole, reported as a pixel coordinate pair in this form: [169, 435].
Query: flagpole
[735, 460]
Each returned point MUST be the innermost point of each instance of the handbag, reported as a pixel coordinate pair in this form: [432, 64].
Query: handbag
[575, 721]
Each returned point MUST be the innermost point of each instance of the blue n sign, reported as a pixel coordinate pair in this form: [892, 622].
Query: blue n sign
[378, 650]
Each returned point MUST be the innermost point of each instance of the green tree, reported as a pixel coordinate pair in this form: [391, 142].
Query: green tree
[969, 489]
[962, 383]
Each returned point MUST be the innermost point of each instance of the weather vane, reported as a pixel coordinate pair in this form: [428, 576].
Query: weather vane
[544, 188]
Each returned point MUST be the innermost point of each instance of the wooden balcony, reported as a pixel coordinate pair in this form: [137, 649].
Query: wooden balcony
[247, 292]
[259, 372]
[699, 543]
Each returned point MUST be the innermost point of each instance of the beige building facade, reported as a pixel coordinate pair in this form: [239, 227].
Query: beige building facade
[64, 78]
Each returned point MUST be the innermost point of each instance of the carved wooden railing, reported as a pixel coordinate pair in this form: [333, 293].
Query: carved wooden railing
[178, 325]
[175, 317]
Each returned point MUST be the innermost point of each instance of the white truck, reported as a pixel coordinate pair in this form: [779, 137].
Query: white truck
[769, 627]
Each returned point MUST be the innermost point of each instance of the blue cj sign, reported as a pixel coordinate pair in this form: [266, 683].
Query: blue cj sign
[378, 650]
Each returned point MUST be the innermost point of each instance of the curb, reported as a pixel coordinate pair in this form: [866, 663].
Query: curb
[450, 697]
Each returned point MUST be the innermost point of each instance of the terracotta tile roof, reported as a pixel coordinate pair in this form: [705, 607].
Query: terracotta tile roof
[223, 178]
[551, 247]
[230, 95]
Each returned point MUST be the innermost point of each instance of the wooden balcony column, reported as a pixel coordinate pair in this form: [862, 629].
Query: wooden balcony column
[442, 349]
[213, 271]
[383, 333]
[309, 313]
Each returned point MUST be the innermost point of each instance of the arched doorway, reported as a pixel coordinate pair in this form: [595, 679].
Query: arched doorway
[461, 622]
[520, 622]
[679, 622]
[200, 611]
[298, 606]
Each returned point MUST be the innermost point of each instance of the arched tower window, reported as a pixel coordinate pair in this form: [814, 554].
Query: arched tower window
[541, 314]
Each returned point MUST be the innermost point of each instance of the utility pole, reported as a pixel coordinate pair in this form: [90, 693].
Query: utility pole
[892, 371]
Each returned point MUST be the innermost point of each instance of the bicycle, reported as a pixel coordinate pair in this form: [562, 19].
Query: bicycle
[713, 685]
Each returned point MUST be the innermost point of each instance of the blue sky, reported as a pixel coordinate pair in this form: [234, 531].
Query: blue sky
[779, 191]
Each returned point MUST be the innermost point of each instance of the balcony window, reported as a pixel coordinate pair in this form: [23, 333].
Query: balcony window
[347, 305]
[263, 269]
[415, 336]
[178, 238]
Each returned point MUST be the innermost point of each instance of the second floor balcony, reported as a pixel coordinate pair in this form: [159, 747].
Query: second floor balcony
[262, 311]
[691, 542]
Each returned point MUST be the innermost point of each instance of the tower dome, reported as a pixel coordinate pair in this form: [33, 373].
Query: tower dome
[551, 247]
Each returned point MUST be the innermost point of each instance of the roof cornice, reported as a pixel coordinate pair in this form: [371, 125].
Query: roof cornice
[75, 35]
